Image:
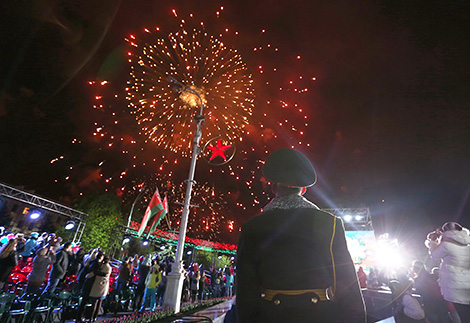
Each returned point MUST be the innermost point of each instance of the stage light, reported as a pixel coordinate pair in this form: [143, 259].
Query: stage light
[162, 248]
[390, 256]
[355, 219]
[69, 225]
[220, 257]
[35, 215]
[145, 242]
[126, 239]
[189, 252]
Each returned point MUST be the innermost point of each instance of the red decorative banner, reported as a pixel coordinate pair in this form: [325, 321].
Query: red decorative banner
[198, 242]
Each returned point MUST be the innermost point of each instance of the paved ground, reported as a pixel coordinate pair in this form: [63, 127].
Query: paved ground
[216, 313]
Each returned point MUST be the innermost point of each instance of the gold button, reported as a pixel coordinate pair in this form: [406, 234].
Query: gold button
[314, 300]
[277, 302]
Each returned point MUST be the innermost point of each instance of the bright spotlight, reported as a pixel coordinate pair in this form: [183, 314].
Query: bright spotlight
[189, 252]
[126, 239]
[347, 218]
[145, 242]
[69, 225]
[358, 217]
[390, 255]
[35, 215]
[220, 257]
[162, 248]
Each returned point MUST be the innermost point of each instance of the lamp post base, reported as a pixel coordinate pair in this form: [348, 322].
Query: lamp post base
[174, 290]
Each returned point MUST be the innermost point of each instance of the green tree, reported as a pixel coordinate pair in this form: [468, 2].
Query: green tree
[102, 223]
[169, 251]
[211, 259]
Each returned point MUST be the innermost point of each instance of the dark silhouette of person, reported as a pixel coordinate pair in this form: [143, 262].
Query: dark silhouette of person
[293, 264]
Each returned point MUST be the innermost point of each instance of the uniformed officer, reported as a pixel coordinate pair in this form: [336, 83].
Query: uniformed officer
[293, 264]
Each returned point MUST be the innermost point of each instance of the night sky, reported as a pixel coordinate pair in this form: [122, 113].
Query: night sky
[388, 110]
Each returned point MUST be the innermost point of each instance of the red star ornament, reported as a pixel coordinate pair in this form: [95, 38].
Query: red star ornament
[218, 150]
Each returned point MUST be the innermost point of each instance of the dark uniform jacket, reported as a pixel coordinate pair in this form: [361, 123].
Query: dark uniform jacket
[289, 249]
[6, 266]
[59, 268]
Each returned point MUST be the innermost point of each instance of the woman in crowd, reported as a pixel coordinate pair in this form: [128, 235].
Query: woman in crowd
[8, 261]
[54, 241]
[85, 268]
[202, 284]
[20, 243]
[162, 286]
[40, 242]
[44, 258]
[195, 277]
[453, 247]
[89, 256]
[135, 261]
[125, 272]
[151, 283]
[143, 271]
[186, 286]
[92, 273]
[228, 282]
[76, 262]
[100, 287]
[218, 283]
[29, 246]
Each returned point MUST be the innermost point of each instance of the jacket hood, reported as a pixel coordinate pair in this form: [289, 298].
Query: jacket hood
[461, 237]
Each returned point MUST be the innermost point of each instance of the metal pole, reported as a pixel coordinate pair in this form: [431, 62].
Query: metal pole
[175, 278]
[187, 199]
[133, 204]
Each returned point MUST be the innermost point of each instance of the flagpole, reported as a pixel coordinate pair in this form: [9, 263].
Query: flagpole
[175, 278]
[144, 190]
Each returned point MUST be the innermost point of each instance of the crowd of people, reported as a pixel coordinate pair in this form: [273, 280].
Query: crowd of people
[198, 283]
[419, 294]
[50, 266]
[430, 294]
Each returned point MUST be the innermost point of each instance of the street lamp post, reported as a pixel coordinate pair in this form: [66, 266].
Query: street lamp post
[176, 277]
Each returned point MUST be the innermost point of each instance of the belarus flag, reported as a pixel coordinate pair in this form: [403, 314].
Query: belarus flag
[160, 215]
[154, 209]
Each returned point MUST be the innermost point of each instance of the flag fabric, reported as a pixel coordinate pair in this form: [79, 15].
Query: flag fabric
[165, 205]
[167, 209]
[159, 217]
[154, 207]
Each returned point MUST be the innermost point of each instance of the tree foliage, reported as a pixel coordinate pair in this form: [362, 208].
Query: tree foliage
[211, 259]
[102, 223]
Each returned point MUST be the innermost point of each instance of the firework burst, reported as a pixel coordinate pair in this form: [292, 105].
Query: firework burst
[124, 154]
[207, 220]
[204, 65]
